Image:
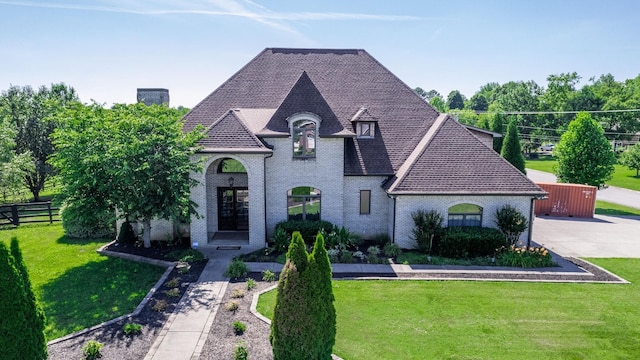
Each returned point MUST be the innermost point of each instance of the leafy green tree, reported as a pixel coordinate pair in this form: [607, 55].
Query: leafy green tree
[511, 223]
[17, 340]
[438, 104]
[304, 323]
[455, 100]
[30, 112]
[584, 153]
[479, 103]
[496, 124]
[511, 149]
[13, 168]
[631, 158]
[131, 157]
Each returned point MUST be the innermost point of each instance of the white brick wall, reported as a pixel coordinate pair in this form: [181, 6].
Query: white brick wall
[365, 225]
[205, 195]
[324, 172]
[408, 204]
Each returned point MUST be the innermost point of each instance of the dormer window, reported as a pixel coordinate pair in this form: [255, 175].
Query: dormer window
[365, 124]
[366, 129]
[304, 135]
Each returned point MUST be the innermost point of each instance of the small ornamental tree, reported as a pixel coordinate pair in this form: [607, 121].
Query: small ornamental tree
[21, 326]
[511, 149]
[584, 153]
[631, 158]
[304, 324]
[511, 223]
[427, 229]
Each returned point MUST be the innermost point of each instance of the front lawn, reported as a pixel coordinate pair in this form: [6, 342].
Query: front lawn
[77, 287]
[486, 320]
[607, 208]
[622, 176]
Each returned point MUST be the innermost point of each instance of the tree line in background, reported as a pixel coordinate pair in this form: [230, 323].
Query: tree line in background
[545, 112]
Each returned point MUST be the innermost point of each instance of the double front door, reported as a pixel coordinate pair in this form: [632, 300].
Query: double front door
[233, 209]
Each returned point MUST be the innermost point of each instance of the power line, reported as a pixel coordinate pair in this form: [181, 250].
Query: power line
[554, 112]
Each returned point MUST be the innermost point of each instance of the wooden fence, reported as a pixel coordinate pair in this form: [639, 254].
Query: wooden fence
[38, 212]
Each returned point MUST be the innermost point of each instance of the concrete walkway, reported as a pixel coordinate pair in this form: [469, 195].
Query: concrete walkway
[187, 329]
[611, 194]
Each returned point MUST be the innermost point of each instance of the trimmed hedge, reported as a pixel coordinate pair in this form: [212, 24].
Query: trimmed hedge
[308, 229]
[469, 242]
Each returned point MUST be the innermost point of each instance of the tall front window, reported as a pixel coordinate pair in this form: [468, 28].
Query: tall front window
[304, 138]
[465, 215]
[303, 203]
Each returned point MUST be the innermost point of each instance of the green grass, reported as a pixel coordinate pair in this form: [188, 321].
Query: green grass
[607, 208]
[486, 320]
[77, 287]
[622, 176]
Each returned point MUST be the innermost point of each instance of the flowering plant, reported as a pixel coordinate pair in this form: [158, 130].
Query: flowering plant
[525, 257]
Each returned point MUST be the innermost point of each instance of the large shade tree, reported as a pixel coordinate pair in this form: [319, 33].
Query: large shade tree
[584, 154]
[132, 157]
[32, 113]
[13, 167]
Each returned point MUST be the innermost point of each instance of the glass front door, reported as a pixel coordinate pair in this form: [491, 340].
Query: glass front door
[233, 209]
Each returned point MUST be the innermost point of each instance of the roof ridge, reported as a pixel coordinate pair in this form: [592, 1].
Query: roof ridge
[418, 150]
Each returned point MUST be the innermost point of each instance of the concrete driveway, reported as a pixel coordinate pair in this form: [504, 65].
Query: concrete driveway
[602, 236]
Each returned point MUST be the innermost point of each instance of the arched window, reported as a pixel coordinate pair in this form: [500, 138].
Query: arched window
[465, 215]
[303, 203]
[303, 134]
[232, 166]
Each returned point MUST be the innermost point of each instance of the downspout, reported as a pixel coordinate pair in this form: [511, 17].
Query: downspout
[393, 231]
[264, 193]
[530, 222]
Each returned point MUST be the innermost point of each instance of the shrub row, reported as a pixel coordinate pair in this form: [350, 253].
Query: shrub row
[465, 242]
[308, 229]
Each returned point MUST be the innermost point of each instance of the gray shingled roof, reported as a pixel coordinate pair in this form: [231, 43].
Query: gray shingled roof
[230, 133]
[347, 80]
[450, 160]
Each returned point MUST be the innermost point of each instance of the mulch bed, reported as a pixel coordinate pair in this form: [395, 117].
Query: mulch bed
[117, 345]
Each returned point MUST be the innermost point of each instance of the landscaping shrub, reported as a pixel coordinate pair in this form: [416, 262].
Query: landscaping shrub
[175, 292]
[268, 275]
[511, 223]
[391, 250]
[22, 322]
[237, 293]
[308, 229]
[239, 327]
[237, 269]
[174, 282]
[281, 240]
[427, 229]
[232, 306]
[251, 284]
[524, 257]
[340, 236]
[91, 350]
[126, 234]
[160, 306]
[304, 321]
[241, 352]
[132, 329]
[467, 242]
[87, 220]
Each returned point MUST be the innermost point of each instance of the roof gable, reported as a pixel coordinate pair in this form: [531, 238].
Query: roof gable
[451, 160]
[230, 132]
[303, 97]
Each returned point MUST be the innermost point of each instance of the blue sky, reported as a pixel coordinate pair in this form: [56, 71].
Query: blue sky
[106, 49]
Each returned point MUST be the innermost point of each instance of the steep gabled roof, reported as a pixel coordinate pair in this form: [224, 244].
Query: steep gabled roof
[346, 80]
[305, 97]
[450, 160]
[230, 133]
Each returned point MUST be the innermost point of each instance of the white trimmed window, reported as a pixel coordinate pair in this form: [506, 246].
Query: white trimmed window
[366, 129]
[365, 202]
[465, 215]
[304, 134]
[303, 203]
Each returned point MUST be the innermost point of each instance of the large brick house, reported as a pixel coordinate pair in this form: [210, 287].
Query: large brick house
[333, 134]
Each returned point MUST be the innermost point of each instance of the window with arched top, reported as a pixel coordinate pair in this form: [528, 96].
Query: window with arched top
[303, 203]
[303, 135]
[465, 215]
[231, 166]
